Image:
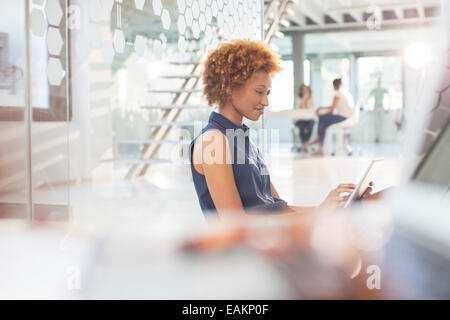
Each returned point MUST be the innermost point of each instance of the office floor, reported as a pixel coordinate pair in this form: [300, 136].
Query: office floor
[167, 198]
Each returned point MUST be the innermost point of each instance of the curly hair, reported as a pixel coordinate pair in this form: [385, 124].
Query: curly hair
[232, 64]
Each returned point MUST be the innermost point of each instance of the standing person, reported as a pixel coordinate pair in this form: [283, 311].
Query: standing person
[304, 101]
[378, 107]
[340, 110]
[228, 169]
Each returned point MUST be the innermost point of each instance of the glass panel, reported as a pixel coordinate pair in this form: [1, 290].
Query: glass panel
[136, 96]
[49, 98]
[13, 142]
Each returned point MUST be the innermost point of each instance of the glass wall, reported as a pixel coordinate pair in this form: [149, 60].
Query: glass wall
[115, 89]
[14, 173]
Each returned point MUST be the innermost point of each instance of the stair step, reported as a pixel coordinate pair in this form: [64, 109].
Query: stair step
[149, 141]
[147, 161]
[176, 106]
[176, 91]
[173, 124]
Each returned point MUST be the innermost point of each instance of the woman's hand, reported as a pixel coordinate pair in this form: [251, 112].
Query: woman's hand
[319, 111]
[368, 195]
[338, 196]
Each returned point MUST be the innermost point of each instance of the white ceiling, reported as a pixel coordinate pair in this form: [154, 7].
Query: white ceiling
[311, 15]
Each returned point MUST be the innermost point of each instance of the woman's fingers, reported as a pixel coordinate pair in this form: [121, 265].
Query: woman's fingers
[342, 190]
[347, 185]
[367, 192]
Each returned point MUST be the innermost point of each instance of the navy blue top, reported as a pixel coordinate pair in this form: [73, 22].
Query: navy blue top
[250, 172]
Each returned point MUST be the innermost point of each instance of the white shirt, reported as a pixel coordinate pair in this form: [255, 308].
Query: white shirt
[309, 103]
[345, 103]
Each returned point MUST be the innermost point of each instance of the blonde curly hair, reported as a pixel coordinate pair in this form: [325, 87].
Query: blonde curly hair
[232, 64]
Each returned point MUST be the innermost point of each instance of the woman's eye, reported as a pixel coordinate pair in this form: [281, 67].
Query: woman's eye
[259, 92]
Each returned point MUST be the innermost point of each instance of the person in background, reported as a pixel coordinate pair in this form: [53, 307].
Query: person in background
[304, 101]
[378, 95]
[340, 110]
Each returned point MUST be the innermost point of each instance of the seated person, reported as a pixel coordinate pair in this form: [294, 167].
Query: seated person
[228, 169]
[340, 110]
[304, 101]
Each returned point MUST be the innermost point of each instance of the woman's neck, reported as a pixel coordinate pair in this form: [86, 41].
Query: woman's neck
[230, 112]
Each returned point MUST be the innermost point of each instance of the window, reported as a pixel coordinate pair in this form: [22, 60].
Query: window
[385, 73]
[48, 63]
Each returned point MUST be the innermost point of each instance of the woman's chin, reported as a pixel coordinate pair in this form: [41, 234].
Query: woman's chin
[253, 116]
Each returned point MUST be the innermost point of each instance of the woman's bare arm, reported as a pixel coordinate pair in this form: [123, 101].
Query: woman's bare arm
[212, 154]
[334, 105]
[212, 158]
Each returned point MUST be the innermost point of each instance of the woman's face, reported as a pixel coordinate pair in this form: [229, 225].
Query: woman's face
[305, 91]
[251, 98]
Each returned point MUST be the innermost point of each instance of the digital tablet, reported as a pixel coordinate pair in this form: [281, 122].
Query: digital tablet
[363, 183]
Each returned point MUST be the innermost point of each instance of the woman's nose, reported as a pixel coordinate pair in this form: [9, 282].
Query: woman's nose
[265, 101]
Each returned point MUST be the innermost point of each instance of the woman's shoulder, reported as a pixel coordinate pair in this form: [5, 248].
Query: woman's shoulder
[209, 140]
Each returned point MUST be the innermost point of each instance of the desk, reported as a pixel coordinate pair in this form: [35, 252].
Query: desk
[294, 114]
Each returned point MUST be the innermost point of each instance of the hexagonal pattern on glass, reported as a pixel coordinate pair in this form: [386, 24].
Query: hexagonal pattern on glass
[220, 4]
[107, 5]
[119, 41]
[182, 44]
[188, 17]
[208, 34]
[189, 3]
[54, 12]
[165, 18]
[241, 11]
[38, 2]
[54, 41]
[108, 51]
[214, 8]
[236, 19]
[236, 3]
[157, 7]
[220, 19]
[202, 5]
[38, 23]
[181, 6]
[158, 49]
[208, 15]
[195, 29]
[163, 38]
[140, 45]
[225, 12]
[195, 10]
[55, 72]
[181, 24]
[202, 22]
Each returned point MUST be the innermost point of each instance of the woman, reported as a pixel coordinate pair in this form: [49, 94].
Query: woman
[228, 170]
[304, 101]
[343, 105]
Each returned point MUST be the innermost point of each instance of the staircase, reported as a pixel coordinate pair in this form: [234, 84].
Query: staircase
[274, 13]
